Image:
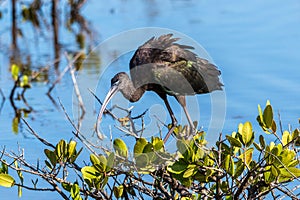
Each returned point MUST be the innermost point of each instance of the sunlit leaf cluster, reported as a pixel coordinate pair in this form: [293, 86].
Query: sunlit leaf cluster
[63, 153]
[22, 79]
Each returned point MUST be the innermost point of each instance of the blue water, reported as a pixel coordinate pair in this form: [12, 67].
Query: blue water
[255, 44]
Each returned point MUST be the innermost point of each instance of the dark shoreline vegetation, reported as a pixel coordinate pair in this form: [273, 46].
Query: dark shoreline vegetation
[245, 164]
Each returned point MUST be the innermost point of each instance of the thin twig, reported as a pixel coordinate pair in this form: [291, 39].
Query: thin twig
[37, 136]
[287, 192]
[106, 110]
[78, 133]
[58, 79]
[141, 115]
[280, 124]
[127, 132]
[72, 72]
[62, 74]
[34, 188]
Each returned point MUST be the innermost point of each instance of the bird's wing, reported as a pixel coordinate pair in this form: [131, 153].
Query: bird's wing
[168, 63]
[152, 50]
[187, 77]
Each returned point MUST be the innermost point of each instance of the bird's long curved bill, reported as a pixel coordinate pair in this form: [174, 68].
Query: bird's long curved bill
[113, 90]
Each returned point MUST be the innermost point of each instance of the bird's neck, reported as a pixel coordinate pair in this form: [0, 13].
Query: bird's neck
[132, 93]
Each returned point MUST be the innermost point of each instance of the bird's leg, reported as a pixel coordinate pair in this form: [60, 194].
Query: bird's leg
[182, 102]
[174, 121]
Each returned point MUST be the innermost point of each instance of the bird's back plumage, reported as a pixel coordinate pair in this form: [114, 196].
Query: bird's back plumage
[161, 62]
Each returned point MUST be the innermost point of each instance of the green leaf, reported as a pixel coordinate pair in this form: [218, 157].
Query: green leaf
[20, 175]
[224, 186]
[61, 149]
[287, 156]
[257, 146]
[103, 161]
[274, 127]
[140, 145]
[142, 160]
[233, 141]
[104, 181]
[182, 146]
[71, 148]
[296, 136]
[240, 166]
[208, 174]
[229, 164]
[275, 151]
[6, 180]
[178, 167]
[185, 150]
[268, 116]
[76, 154]
[75, 192]
[268, 176]
[224, 147]
[272, 145]
[66, 186]
[290, 172]
[260, 115]
[187, 182]
[51, 156]
[118, 191]
[240, 127]
[158, 143]
[89, 172]
[294, 163]
[19, 191]
[120, 147]
[94, 159]
[148, 148]
[247, 156]
[275, 171]
[286, 138]
[209, 160]
[229, 197]
[4, 168]
[247, 133]
[48, 164]
[262, 142]
[99, 162]
[188, 172]
[110, 161]
[25, 82]
[15, 69]
[15, 125]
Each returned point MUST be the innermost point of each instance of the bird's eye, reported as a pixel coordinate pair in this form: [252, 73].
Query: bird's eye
[115, 83]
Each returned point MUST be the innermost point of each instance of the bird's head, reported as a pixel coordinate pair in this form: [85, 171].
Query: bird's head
[118, 83]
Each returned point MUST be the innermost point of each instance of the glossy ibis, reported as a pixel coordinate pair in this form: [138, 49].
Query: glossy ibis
[167, 68]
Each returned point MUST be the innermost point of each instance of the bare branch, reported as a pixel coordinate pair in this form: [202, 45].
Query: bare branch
[45, 142]
[72, 72]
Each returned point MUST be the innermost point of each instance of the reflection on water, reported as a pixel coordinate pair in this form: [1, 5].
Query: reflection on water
[39, 23]
[256, 45]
